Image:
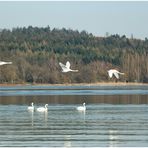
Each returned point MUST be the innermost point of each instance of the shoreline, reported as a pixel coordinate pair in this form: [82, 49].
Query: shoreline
[79, 84]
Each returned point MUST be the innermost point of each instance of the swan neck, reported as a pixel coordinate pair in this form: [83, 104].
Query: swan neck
[74, 70]
[121, 73]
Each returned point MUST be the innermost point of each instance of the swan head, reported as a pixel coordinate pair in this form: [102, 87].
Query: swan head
[32, 103]
[46, 105]
[84, 104]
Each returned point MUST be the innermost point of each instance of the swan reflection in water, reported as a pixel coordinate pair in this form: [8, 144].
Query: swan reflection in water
[31, 112]
[46, 117]
[113, 138]
[42, 117]
[82, 115]
[40, 114]
[82, 110]
[67, 141]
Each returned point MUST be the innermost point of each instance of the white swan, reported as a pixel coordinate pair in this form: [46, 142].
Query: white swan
[31, 108]
[114, 72]
[4, 63]
[43, 109]
[66, 68]
[81, 108]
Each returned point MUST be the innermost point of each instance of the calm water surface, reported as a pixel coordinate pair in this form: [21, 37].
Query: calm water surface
[115, 116]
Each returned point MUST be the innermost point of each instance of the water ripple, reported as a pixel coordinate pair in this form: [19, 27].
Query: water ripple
[101, 125]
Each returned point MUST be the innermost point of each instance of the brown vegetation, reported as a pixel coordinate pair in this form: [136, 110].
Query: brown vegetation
[36, 52]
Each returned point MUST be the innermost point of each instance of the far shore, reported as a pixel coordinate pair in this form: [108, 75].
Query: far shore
[79, 84]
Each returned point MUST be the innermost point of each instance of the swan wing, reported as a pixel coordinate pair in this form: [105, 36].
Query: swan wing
[62, 66]
[110, 74]
[81, 108]
[40, 109]
[30, 108]
[116, 75]
[68, 64]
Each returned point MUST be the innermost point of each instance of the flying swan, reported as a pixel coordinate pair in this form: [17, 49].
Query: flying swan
[4, 63]
[114, 72]
[66, 68]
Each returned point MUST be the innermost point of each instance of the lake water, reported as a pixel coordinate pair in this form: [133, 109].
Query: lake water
[116, 116]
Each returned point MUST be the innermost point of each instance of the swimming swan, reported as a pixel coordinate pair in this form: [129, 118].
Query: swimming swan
[43, 109]
[4, 63]
[114, 72]
[31, 108]
[66, 68]
[81, 108]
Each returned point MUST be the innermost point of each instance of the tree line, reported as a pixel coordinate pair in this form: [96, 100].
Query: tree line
[36, 53]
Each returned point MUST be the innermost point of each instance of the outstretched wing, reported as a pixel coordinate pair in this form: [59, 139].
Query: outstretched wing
[62, 66]
[110, 74]
[116, 75]
[68, 64]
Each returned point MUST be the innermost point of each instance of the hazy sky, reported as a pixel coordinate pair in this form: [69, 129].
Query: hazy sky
[123, 18]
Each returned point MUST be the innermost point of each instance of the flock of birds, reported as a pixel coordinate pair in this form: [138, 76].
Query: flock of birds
[66, 68]
[111, 72]
[45, 109]
[39, 109]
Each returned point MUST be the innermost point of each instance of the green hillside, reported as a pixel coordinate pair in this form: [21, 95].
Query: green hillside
[36, 52]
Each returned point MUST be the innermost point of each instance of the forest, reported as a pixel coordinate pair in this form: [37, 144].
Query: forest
[37, 51]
